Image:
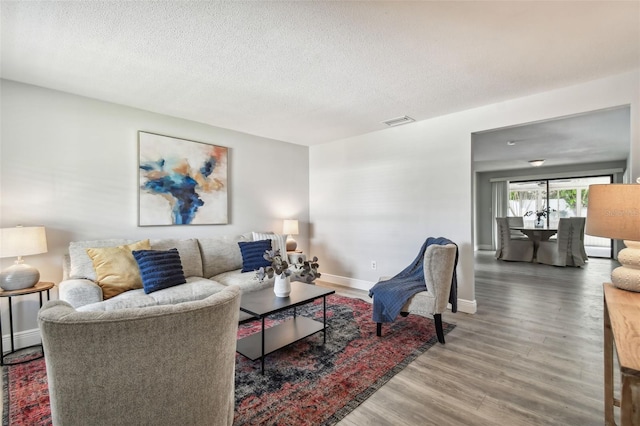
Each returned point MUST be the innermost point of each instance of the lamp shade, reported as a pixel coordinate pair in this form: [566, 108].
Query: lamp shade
[22, 241]
[290, 227]
[614, 211]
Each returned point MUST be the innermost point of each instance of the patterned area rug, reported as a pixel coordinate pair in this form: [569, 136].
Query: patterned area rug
[308, 383]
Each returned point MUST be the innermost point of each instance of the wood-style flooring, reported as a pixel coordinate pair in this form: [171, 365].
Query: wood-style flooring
[531, 355]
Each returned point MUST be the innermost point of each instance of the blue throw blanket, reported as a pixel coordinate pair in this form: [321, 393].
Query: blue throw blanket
[391, 295]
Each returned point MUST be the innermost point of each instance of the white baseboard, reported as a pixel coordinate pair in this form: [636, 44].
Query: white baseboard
[485, 247]
[464, 305]
[348, 282]
[467, 306]
[21, 339]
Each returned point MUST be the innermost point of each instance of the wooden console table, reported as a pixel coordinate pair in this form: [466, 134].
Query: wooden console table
[622, 327]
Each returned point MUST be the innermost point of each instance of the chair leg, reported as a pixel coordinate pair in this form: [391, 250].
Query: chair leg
[378, 329]
[439, 330]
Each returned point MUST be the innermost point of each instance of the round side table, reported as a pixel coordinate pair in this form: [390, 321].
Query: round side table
[38, 288]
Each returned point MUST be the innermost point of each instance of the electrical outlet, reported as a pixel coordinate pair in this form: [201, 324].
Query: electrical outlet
[374, 265]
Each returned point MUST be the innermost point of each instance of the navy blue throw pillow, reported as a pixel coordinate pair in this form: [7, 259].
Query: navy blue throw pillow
[253, 254]
[159, 269]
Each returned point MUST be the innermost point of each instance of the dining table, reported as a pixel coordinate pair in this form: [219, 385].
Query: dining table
[536, 235]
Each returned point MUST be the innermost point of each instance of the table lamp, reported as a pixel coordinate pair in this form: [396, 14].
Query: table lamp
[614, 212]
[17, 242]
[289, 228]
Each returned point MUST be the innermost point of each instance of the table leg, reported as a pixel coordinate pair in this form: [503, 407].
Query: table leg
[608, 370]
[1, 348]
[262, 357]
[629, 403]
[11, 323]
[324, 319]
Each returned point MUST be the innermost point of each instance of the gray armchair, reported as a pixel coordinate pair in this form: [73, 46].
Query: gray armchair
[512, 249]
[160, 365]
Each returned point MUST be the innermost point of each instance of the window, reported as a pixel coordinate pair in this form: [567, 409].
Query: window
[563, 198]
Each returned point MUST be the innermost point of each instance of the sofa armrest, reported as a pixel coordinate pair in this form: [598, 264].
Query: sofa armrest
[79, 292]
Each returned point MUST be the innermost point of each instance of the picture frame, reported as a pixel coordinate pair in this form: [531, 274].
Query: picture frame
[181, 182]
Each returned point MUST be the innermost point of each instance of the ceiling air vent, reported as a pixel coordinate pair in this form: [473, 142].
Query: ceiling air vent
[399, 121]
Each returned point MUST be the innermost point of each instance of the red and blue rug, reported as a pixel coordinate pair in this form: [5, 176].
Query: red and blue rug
[307, 383]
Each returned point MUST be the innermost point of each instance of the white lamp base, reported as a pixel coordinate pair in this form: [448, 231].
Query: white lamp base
[627, 276]
[19, 276]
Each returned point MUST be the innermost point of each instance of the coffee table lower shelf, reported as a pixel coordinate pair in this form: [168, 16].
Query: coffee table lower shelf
[277, 337]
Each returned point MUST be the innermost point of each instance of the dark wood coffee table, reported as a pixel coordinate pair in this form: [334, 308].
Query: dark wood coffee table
[263, 303]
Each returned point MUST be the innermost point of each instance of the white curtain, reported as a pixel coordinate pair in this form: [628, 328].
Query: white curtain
[500, 206]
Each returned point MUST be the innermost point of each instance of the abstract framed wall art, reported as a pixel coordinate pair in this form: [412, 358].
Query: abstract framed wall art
[181, 182]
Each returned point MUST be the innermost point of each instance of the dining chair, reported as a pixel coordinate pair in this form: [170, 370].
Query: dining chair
[516, 222]
[579, 224]
[565, 250]
[511, 249]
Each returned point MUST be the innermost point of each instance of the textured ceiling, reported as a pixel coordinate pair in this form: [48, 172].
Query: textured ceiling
[593, 137]
[313, 72]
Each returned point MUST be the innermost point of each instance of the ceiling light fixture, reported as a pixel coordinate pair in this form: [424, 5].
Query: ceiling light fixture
[536, 163]
[399, 121]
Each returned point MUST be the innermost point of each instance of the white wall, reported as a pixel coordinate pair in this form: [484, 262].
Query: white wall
[70, 163]
[380, 195]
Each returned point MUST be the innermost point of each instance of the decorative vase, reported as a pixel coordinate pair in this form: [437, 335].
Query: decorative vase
[539, 222]
[282, 286]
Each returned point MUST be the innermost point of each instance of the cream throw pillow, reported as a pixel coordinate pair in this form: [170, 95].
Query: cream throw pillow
[116, 269]
[277, 242]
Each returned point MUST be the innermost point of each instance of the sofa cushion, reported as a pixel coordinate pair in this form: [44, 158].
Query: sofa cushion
[159, 269]
[116, 270]
[253, 254]
[196, 288]
[278, 241]
[81, 265]
[129, 299]
[221, 254]
[246, 282]
[189, 253]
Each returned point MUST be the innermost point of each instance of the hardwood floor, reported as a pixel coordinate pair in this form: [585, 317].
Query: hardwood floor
[531, 355]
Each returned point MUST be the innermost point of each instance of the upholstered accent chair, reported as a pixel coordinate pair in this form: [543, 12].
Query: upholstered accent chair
[170, 365]
[438, 264]
[567, 249]
[512, 249]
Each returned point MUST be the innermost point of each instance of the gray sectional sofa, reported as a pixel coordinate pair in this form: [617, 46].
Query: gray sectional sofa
[209, 265]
